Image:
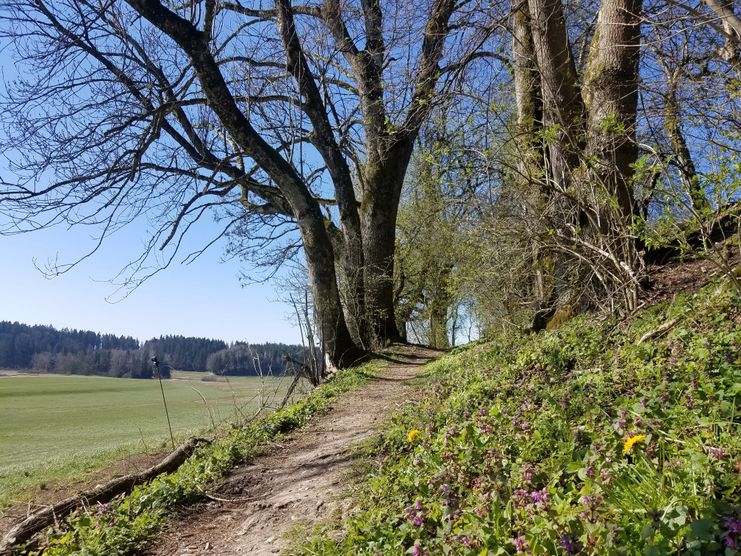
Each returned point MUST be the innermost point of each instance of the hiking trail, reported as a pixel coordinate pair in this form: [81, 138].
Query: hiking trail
[298, 481]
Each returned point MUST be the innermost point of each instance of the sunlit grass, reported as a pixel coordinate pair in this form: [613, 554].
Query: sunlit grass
[55, 428]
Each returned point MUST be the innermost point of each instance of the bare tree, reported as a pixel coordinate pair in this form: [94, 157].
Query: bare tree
[303, 116]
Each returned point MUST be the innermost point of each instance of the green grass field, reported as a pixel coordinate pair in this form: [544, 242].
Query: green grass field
[57, 428]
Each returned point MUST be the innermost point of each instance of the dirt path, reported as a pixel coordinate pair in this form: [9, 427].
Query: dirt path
[296, 483]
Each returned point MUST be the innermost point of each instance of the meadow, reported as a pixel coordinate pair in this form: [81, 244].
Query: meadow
[55, 429]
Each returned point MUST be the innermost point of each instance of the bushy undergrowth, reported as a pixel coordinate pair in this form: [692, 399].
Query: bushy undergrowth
[119, 528]
[580, 440]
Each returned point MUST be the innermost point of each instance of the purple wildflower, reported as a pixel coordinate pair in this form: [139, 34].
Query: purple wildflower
[520, 544]
[717, 453]
[540, 498]
[570, 544]
[733, 524]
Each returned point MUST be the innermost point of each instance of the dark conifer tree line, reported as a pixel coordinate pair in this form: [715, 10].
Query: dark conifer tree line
[20, 342]
[243, 359]
[83, 352]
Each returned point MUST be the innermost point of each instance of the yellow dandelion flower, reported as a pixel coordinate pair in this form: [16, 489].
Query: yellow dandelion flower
[412, 435]
[631, 441]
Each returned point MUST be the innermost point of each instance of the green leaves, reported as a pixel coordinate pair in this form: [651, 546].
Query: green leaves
[523, 444]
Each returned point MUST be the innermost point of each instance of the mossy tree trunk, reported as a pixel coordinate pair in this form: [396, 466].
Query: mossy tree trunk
[589, 137]
[678, 143]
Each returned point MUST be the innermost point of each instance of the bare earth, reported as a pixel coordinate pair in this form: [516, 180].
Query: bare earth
[298, 482]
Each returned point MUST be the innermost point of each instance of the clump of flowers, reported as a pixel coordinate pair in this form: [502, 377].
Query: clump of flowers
[632, 441]
[412, 435]
[416, 513]
[520, 544]
[733, 526]
[570, 544]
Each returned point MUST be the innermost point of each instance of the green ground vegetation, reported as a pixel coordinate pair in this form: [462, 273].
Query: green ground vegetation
[595, 438]
[122, 526]
[54, 428]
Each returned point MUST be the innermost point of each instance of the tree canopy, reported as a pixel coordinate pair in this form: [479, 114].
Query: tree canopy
[544, 144]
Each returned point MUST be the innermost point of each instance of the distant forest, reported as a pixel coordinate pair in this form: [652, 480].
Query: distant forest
[83, 352]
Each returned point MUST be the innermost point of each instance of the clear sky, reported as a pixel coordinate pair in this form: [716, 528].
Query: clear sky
[202, 299]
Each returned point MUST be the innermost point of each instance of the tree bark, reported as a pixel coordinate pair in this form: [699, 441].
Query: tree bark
[379, 209]
[563, 110]
[530, 152]
[339, 346]
[682, 155]
[731, 27]
[611, 98]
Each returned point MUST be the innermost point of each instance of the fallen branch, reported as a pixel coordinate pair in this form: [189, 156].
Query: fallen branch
[42, 519]
[658, 331]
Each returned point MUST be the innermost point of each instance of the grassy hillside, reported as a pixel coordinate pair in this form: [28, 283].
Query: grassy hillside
[53, 427]
[595, 438]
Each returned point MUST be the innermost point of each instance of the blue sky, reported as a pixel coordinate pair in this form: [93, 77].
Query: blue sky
[204, 298]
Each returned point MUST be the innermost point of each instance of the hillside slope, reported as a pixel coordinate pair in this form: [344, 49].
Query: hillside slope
[596, 438]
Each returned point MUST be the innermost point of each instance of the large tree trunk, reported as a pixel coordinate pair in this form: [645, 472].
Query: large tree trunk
[611, 98]
[379, 240]
[531, 172]
[339, 347]
[384, 179]
[590, 139]
[563, 110]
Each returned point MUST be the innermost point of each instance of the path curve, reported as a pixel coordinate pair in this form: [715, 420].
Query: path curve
[299, 481]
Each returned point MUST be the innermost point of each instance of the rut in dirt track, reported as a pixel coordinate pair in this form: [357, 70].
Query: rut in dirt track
[297, 483]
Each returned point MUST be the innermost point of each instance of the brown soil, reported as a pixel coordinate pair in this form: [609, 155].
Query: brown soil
[299, 481]
[679, 277]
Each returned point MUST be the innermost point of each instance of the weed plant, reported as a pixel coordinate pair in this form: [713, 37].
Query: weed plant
[580, 440]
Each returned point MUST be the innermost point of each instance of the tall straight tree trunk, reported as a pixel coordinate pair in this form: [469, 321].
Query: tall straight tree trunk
[563, 110]
[384, 177]
[683, 158]
[531, 172]
[378, 217]
[611, 97]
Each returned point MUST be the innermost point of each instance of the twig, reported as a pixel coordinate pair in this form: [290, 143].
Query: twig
[658, 331]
